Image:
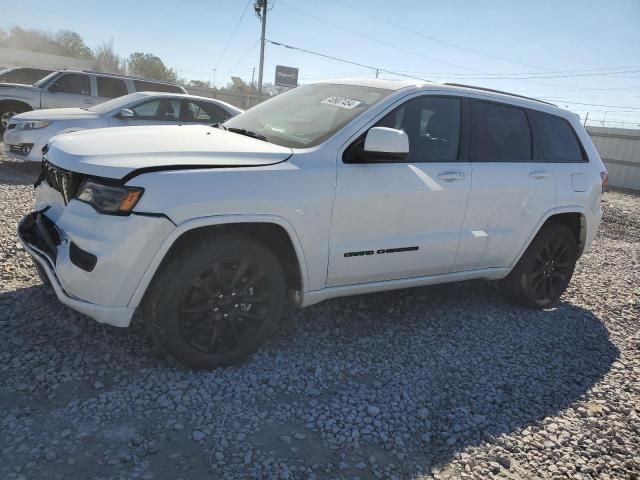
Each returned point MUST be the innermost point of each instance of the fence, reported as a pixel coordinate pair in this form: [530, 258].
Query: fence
[619, 149]
[242, 100]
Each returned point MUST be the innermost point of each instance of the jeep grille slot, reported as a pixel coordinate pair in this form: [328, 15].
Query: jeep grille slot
[63, 181]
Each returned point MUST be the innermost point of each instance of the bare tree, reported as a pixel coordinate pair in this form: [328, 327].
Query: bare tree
[107, 60]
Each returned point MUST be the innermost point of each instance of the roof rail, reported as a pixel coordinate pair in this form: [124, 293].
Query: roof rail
[132, 77]
[484, 89]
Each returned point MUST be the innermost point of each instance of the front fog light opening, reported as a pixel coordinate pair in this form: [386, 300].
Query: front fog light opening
[25, 148]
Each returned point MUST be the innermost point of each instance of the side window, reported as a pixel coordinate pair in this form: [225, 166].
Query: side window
[145, 86]
[557, 139]
[163, 109]
[74, 83]
[433, 127]
[203, 112]
[111, 87]
[498, 133]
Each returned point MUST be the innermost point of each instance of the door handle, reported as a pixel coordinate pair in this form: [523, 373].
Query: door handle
[539, 174]
[451, 176]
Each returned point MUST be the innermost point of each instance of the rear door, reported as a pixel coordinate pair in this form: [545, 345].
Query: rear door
[397, 219]
[68, 90]
[511, 190]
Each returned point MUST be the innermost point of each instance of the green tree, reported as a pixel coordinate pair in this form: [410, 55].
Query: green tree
[148, 65]
[72, 44]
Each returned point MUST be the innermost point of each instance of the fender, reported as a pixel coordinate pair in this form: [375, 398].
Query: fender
[213, 221]
[548, 214]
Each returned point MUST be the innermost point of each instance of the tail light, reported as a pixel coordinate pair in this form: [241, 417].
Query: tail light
[604, 176]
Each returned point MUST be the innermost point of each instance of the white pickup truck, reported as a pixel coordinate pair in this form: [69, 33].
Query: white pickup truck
[72, 88]
[330, 189]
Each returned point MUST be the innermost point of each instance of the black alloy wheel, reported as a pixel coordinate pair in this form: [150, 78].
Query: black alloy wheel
[215, 301]
[225, 305]
[545, 269]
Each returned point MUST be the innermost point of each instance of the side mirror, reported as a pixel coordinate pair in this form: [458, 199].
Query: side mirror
[126, 113]
[54, 87]
[382, 143]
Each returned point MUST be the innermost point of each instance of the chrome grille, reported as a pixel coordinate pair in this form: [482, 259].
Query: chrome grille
[63, 181]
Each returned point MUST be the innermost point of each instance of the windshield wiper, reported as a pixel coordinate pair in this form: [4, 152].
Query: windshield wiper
[248, 133]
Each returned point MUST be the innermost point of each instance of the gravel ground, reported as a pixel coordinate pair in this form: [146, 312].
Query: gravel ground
[439, 382]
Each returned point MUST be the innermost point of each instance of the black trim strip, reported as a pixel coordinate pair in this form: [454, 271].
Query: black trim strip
[171, 168]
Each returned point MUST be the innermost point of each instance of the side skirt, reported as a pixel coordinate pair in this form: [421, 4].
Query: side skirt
[315, 296]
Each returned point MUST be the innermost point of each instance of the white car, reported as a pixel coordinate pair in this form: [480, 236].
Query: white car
[330, 189]
[27, 133]
[72, 88]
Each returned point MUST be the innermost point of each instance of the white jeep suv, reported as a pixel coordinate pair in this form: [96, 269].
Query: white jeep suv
[330, 189]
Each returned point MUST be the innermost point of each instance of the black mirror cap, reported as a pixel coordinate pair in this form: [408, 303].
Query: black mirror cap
[54, 87]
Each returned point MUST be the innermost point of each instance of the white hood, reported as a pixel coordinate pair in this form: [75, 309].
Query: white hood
[117, 152]
[57, 114]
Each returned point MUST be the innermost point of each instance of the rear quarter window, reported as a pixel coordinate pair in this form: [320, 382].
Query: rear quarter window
[145, 86]
[557, 139]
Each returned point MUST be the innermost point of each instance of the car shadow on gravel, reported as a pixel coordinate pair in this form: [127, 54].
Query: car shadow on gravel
[479, 366]
[447, 368]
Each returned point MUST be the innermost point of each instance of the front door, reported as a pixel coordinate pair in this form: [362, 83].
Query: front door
[158, 111]
[68, 90]
[397, 219]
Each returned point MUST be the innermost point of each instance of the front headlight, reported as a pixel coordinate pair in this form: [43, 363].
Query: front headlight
[33, 124]
[107, 198]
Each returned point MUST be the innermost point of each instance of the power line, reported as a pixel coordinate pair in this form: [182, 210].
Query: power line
[453, 45]
[373, 39]
[240, 60]
[383, 70]
[226, 46]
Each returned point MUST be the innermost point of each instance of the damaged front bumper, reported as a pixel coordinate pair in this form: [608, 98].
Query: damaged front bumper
[41, 239]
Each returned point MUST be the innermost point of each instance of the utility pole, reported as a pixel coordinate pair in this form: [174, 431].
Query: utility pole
[585, 119]
[261, 9]
[253, 74]
[376, 73]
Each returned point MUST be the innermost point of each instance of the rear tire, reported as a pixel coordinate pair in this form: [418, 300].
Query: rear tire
[545, 269]
[216, 302]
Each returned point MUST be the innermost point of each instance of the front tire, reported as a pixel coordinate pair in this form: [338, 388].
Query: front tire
[7, 112]
[216, 302]
[545, 269]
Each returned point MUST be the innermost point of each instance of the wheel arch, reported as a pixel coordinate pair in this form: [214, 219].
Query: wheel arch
[274, 232]
[574, 218]
[16, 103]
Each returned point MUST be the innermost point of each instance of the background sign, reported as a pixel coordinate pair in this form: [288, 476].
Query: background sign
[286, 76]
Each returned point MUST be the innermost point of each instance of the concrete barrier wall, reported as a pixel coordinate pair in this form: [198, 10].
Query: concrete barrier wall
[619, 149]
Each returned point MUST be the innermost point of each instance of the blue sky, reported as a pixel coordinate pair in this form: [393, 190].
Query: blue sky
[478, 42]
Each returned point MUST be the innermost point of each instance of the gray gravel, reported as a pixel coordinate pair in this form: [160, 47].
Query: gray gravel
[439, 382]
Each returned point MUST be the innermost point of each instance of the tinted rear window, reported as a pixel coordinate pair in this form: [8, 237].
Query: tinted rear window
[498, 133]
[111, 87]
[557, 139]
[144, 86]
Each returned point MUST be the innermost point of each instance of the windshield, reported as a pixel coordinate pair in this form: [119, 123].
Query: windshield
[117, 103]
[307, 115]
[43, 81]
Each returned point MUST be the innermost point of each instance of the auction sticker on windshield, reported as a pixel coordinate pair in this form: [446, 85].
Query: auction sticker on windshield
[342, 102]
